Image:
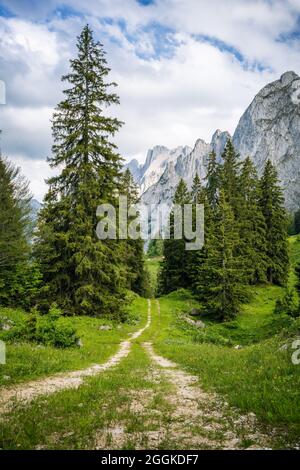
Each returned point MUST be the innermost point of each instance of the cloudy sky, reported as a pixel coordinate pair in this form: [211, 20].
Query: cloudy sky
[184, 67]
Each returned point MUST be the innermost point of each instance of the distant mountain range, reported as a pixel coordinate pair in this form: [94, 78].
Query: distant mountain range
[35, 207]
[268, 129]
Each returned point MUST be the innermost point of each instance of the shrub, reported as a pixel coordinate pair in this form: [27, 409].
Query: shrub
[21, 286]
[287, 305]
[51, 329]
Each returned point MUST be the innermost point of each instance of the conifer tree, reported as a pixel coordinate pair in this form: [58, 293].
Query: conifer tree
[229, 177]
[137, 276]
[15, 227]
[297, 271]
[174, 270]
[198, 257]
[155, 248]
[212, 179]
[272, 206]
[297, 222]
[197, 189]
[195, 257]
[252, 227]
[220, 284]
[82, 273]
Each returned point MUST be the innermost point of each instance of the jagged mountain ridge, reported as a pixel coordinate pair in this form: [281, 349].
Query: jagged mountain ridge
[268, 129]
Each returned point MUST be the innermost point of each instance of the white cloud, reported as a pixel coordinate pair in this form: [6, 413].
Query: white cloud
[27, 130]
[164, 100]
[36, 171]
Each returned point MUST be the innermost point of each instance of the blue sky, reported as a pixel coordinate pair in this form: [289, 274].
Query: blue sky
[184, 67]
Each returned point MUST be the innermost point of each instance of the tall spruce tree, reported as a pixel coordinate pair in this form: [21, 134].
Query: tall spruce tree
[212, 179]
[197, 190]
[272, 206]
[221, 274]
[16, 270]
[81, 273]
[195, 257]
[297, 222]
[174, 272]
[297, 272]
[252, 227]
[229, 177]
[137, 276]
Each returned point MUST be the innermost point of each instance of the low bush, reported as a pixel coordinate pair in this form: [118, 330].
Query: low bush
[287, 304]
[51, 329]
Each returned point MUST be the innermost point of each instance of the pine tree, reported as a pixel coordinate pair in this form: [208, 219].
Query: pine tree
[252, 227]
[195, 257]
[229, 177]
[155, 248]
[174, 269]
[212, 179]
[272, 206]
[197, 190]
[15, 227]
[220, 284]
[297, 271]
[297, 222]
[82, 273]
[137, 276]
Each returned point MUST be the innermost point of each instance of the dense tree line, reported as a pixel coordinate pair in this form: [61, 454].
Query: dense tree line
[64, 262]
[19, 273]
[245, 236]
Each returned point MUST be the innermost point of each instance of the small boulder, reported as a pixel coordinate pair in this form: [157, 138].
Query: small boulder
[105, 327]
[196, 323]
[194, 312]
[200, 324]
[6, 323]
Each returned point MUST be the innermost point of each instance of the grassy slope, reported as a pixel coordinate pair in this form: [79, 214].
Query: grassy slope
[72, 419]
[27, 361]
[260, 377]
[153, 265]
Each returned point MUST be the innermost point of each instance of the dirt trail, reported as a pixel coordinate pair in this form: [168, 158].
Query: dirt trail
[193, 418]
[30, 390]
[175, 414]
[204, 420]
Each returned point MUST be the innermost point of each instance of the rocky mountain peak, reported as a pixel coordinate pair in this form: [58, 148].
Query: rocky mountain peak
[288, 77]
[268, 129]
[218, 142]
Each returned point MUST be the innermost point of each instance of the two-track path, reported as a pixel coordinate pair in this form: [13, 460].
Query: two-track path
[194, 419]
[33, 389]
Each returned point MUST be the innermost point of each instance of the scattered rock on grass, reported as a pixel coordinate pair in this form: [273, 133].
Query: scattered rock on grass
[196, 323]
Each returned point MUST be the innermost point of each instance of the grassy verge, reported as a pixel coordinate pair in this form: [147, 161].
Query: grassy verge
[26, 361]
[259, 378]
[153, 265]
[87, 417]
